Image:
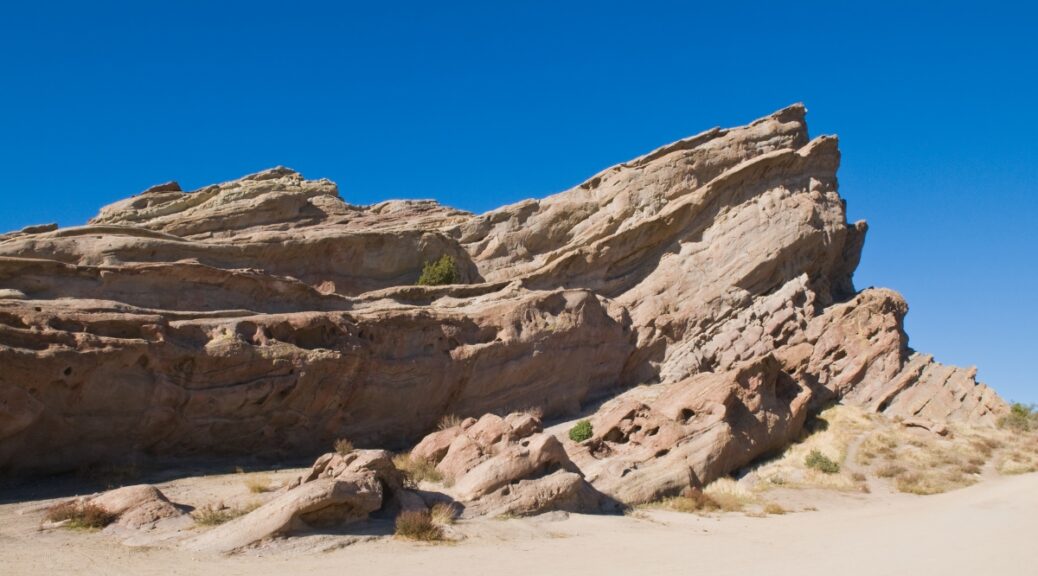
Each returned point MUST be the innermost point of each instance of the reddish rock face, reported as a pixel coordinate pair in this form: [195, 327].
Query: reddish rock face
[266, 316]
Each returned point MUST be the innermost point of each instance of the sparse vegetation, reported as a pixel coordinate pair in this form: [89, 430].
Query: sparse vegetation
[438, 273]
[1021, 418]
[774, 508]
[343, 446]
[729, 495]
[443, 514]
[216, 514]
[890, 471]
[258, 484]
[818, 461]
[418, 525]
[82, 515]
[449, 421]
[691, 500]
[581, 431]
[417, 470]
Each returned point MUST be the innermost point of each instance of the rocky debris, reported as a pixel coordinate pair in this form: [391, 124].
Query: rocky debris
[267, 316]
[338, 490]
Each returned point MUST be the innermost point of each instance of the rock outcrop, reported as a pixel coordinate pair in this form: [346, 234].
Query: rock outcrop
[268, 316]
[339, 489]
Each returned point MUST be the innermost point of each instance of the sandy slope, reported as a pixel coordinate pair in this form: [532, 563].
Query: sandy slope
[985, 529]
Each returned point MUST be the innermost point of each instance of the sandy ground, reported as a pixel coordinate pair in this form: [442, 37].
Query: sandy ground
[985, 529]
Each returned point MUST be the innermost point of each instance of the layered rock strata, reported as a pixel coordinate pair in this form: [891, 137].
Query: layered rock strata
[266, 316]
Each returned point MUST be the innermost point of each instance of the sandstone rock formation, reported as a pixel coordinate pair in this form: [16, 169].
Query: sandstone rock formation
[509, 466]
[268, 316]
[339, 489]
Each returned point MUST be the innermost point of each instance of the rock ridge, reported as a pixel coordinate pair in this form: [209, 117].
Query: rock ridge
[703, 290]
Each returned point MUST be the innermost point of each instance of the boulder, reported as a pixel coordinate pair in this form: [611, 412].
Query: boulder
[338, 490]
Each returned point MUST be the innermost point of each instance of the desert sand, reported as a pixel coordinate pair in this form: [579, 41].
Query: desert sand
[987, 528]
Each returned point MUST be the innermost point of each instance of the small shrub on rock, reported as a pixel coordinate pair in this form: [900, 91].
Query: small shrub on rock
[581, 431]
[417, 525]
[439, 272]
[416, 470]
[449, 421]
[818, 461]
[343, 446]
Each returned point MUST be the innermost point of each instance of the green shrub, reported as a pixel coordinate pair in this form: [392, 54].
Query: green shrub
[821, 462]
[580, 431]
[439, 272]
[1021, 418]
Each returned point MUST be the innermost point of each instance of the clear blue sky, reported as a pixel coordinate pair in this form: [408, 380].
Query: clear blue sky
[480, 104]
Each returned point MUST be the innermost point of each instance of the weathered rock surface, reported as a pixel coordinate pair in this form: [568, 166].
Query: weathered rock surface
[339, 489]
[268, 316]
[508, 466]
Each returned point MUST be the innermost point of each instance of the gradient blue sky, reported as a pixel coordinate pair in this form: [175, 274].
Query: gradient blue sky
[481, 104]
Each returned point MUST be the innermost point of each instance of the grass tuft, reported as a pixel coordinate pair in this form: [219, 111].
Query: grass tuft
[80, 515]
[448, 421]
[418, 525]
[259, 484]
[343, 446]
[417, 470]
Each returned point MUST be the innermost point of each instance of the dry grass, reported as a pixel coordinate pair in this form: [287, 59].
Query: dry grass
[216, 514]
[840, 425]
[343, 446]
[449, 421]
[729, 495]
[418, 525]
[259, 484]
[443, 514]
[417, 470]
[915, 460]
[82, 515]
[774, 508]
[890, 471]
[690, 501]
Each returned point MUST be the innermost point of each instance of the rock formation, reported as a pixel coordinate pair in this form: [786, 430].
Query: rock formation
[706, 287]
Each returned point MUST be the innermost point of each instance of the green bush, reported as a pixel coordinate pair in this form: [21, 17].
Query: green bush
[439, 272]
[580, 431]
[1021, 417]
[821, 462]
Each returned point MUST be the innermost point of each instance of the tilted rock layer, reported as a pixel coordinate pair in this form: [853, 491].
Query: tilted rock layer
[267, 316]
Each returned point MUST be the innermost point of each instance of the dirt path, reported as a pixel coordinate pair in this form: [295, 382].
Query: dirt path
[984, 529]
